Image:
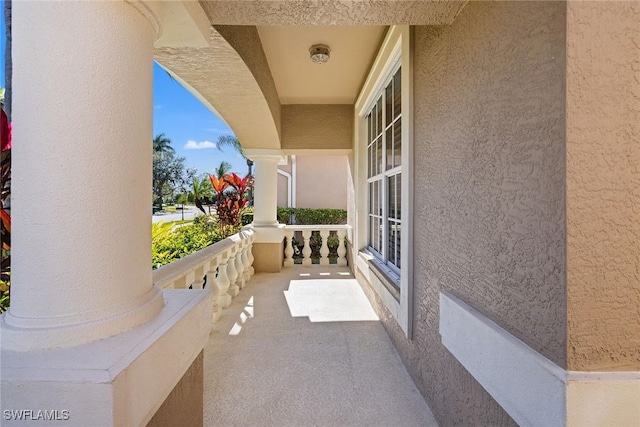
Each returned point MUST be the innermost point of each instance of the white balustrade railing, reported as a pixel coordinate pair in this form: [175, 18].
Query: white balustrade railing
[329, 242]
[225, 267]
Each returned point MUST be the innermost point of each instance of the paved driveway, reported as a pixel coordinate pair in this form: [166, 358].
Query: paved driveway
[190, 212]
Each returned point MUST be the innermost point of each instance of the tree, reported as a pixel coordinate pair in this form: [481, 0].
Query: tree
[202, 191]
[168, 174]
[223, 169]
[162, 144]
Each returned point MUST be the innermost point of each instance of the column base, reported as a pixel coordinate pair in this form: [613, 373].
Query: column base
[267, 257]
[25, 334]
[121, 380]
[268, 250]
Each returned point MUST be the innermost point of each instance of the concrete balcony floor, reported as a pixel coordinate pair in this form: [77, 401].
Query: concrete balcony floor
[304, 348]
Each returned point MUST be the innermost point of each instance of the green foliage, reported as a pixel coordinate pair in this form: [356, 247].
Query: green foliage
[168, 173]
[223, 169]
[171, 241]
[4, 295]
[247, 215]
[304, 216]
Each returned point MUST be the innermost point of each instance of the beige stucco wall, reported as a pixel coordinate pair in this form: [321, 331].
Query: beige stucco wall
[184, 405]
[331, 12]
[317, 127]
[245, 40]
[489, 147]
[603, 185]
[321, 182]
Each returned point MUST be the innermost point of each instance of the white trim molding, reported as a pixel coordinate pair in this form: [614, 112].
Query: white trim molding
[533, 390]
[396, 50]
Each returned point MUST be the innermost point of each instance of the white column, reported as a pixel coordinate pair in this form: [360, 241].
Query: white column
[267, 248]
[81, 183]
[265, 190]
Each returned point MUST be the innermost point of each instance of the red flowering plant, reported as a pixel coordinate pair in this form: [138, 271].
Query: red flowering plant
[5, 218]
[231, 198]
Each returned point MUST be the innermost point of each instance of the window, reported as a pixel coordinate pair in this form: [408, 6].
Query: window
[384, 185]
[384, 173]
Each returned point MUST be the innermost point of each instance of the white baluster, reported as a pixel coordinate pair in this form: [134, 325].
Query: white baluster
[288, 250]
[232, 273]
[189, 278]
[245, 259]
[183, 282]
[252, 271]
[211, 284]
[198, 281]
[342, 250]
[324, 249]
[240, 281]
[306, 251]
[223, 282]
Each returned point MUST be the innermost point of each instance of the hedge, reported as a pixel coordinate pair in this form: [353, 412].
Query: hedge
[305, 216]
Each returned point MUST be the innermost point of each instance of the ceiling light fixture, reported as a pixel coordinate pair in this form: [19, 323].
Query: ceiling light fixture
[319, 53]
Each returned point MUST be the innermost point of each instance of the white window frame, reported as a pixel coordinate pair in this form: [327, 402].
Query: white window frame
[383, 175]
[395, 52]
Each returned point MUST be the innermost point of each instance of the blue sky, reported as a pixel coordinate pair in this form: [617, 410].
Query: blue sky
[192, 128]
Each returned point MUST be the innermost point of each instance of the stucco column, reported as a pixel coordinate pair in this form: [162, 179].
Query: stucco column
[81, 185]
[267, 249]
[602, 216]
[266, 191]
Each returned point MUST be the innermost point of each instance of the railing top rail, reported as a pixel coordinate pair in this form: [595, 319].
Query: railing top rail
[167, 274]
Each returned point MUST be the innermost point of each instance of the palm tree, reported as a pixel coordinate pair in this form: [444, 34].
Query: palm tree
[162, 144]
[230, 141]
[202, 190]
[223, 169]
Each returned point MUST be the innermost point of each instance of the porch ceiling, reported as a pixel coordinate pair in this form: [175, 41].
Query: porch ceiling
[245, 59]
[300, 81]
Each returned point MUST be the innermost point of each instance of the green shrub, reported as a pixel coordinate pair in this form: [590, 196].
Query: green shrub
[246, 217]
[304, 216]
[171, 242]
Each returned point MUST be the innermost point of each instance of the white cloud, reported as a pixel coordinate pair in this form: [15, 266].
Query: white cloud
[194, 145]
[157, 107]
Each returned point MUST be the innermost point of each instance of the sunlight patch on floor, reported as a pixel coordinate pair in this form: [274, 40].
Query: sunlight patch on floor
[246, 314]
[329, 300]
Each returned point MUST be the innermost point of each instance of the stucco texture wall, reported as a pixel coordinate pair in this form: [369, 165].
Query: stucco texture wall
[603, 185]
[322, 182]
[317, 127]
[489, 144]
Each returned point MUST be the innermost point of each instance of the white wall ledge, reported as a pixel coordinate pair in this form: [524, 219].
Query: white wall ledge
[533, 390]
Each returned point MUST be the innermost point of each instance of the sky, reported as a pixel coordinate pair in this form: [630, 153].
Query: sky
[192, 127]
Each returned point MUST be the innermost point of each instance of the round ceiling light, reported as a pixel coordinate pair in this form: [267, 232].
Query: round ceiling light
[319, 53]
